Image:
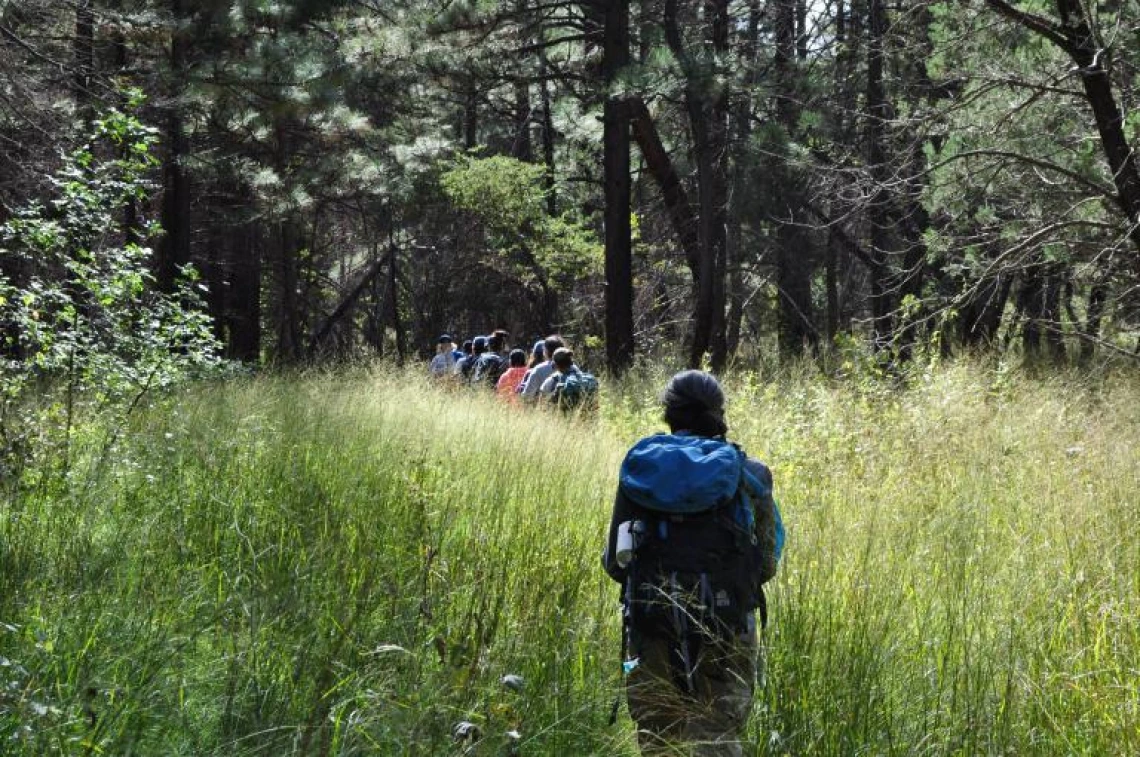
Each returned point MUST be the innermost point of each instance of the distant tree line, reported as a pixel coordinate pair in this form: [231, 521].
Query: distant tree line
[728, 178]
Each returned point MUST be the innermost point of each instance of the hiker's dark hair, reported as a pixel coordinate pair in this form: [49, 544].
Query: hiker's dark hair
[552, 343]
[517, 358]
[563, 358]
[694, 402]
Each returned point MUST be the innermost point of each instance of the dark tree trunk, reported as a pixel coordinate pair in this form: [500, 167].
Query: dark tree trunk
[615, 139]
[471, 117]
[1094, 313]
[1029, 304]
[548, 137]
[794, 264]
[802, 30]
[1110, 124]
[1094, 61]
[174, 250]
[916, 220]
[289, 342]
[707, 107]
[244, 343]
[1040, 304]
[1053, 285]
[742, 118]
[393, 299]
[719, 119]
[831, 274]
[214, 276]
[84, 52]
[878, 211]
[982, 312]
[672, 190]
[521, 146]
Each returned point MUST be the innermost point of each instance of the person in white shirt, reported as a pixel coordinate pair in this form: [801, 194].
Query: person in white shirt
[541, 372]
[443, 362]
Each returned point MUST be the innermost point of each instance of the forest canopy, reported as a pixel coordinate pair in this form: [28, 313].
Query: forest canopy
[726, 179]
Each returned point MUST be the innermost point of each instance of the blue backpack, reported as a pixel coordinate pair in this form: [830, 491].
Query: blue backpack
[708, 536]
[575, 389]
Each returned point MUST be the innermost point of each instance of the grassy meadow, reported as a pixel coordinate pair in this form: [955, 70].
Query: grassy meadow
[349, 564]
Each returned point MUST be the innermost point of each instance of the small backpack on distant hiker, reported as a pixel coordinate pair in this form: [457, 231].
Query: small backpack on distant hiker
[488, 368]
[705, 537]
[575, 389]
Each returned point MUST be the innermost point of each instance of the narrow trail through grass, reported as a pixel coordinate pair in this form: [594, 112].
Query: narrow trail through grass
[349, 565]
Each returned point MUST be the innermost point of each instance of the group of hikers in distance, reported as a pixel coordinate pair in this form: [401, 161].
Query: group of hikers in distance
[695, 533]
[548, 374]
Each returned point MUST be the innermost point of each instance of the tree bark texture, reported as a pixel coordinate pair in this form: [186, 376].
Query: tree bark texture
[615, 140]
[794, 259]
[84, 52]
[661, 168]
[878, 211]
[706, 102]
[174, 250]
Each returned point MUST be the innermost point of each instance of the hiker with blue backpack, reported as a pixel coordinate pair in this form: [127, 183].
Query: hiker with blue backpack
[695, 533]
[569, 388]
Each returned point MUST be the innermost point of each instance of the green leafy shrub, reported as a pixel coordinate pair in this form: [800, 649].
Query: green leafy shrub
[82, 327]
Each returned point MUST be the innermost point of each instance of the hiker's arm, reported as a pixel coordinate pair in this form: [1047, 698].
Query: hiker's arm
[766, 518]
[548, 385]
[531, 383]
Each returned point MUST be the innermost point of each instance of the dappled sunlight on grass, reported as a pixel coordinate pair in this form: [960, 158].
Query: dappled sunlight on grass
[350, 564]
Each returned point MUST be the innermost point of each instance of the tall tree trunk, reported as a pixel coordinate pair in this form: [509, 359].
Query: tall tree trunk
[289, 341]
[734, 252]
[244, 343]
[794, 262]
[831, 274]
[660, 166]
[174, 250]
[717, 198]
[471, 116]
[393, 299]
[615, 139]
[707, 107]
[548, 142]
[521, 146]
[878, 211]
[1053, 286]
[84, 53]
[916, 219]
[742, 132]
[1094, 313]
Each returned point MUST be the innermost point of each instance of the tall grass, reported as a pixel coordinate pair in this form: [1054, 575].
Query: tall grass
[350, 564]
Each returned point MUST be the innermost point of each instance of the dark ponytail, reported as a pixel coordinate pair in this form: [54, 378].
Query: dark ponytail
[694, 402]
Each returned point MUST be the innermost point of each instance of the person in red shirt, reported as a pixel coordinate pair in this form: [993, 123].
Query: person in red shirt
[508, 384]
